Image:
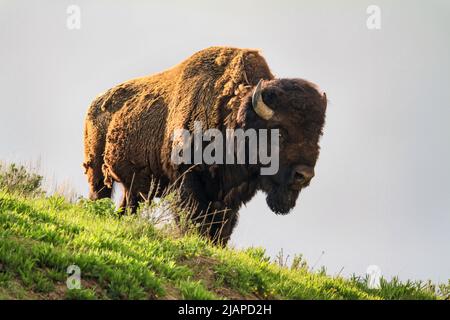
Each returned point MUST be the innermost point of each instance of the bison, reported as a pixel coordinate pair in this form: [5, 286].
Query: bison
[129, 130]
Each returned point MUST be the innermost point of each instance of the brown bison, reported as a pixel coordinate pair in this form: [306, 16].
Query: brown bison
[129, 134]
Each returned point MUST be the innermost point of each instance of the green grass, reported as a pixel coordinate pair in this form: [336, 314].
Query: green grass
[126, 257]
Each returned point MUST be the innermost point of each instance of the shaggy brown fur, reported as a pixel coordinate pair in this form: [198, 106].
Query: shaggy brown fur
[128, 133]
[96, 124]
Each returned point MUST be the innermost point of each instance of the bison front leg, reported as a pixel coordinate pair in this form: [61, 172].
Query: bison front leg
[211, 217]
[222, 223]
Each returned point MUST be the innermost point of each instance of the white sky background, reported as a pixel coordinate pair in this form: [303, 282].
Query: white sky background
[381, 194]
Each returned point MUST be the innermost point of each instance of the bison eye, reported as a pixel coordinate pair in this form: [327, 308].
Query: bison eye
[269, 96]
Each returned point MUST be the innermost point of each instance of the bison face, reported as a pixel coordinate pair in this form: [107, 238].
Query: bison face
[297, 108]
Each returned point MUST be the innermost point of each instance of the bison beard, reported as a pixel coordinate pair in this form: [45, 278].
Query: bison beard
[282, 199]
[128, 129]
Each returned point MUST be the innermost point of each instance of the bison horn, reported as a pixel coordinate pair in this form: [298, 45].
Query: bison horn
[259, 106]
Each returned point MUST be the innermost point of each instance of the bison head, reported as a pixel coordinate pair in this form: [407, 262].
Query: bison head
[296, 108]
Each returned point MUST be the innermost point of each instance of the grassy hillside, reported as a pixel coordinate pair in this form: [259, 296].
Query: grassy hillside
[128, 257]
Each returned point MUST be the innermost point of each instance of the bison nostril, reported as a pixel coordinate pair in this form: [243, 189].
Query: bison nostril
[303, 174]
[299, 177]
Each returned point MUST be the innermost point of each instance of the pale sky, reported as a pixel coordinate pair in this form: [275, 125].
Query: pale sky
[381, 192]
